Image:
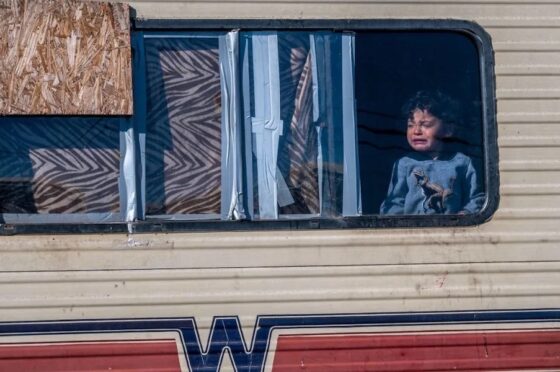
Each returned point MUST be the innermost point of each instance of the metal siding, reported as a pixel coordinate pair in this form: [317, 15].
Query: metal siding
[512, 261]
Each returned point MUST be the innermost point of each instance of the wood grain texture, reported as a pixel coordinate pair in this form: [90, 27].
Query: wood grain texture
[65, 57]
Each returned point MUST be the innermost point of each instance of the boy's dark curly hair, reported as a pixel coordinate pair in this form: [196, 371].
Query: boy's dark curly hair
[436, 103]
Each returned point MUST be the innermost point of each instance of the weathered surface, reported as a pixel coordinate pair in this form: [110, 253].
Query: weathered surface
[64, 57]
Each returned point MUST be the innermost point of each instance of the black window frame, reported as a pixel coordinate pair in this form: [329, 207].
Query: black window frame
[489, 135]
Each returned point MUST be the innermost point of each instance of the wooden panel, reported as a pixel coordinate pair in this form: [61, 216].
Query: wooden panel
[64, 57]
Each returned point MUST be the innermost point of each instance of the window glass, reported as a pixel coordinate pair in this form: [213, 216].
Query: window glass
[183, 140]
[434, 70]
[298, 145]
[298, 122]
[59, 165]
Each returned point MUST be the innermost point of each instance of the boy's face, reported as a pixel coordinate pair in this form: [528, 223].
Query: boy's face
[424, 132]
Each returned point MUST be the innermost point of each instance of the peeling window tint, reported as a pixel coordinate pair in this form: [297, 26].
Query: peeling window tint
[299, 122]
[298, 147]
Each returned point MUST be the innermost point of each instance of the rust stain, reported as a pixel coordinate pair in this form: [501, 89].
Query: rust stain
[440, 281]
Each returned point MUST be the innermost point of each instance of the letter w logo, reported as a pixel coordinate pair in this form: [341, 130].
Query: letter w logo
[225, 333]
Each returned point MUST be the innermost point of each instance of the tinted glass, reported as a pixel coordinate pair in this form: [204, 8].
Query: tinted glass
[392, 68]
[183, 141]
[59, 165]
[296, 122]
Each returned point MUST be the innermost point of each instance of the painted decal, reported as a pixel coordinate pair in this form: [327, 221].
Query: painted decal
[91, 356]
[462, 341]
[445, 351]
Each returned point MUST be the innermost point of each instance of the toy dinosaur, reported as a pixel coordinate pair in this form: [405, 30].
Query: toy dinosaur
[436, 195]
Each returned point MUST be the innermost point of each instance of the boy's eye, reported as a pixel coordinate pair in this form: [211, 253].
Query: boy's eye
[423, 124]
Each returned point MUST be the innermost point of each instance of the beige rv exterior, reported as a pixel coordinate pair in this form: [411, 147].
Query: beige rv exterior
[510, 262]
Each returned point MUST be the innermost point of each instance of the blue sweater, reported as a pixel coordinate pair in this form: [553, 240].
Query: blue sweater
[422, 185]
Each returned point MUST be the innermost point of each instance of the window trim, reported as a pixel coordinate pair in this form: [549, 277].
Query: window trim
[489, 135]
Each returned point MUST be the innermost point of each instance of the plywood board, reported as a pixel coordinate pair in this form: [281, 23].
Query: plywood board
[65, 57]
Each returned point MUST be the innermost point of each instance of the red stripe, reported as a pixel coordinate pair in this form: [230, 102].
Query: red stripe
[91, 356]
[481, 351]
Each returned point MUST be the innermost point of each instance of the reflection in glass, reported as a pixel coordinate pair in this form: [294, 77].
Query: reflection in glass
[294, 109]
[183, 140]
[57, 165]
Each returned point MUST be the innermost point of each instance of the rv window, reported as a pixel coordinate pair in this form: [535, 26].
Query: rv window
[328, 124]
[336, 122]
[387, 125]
